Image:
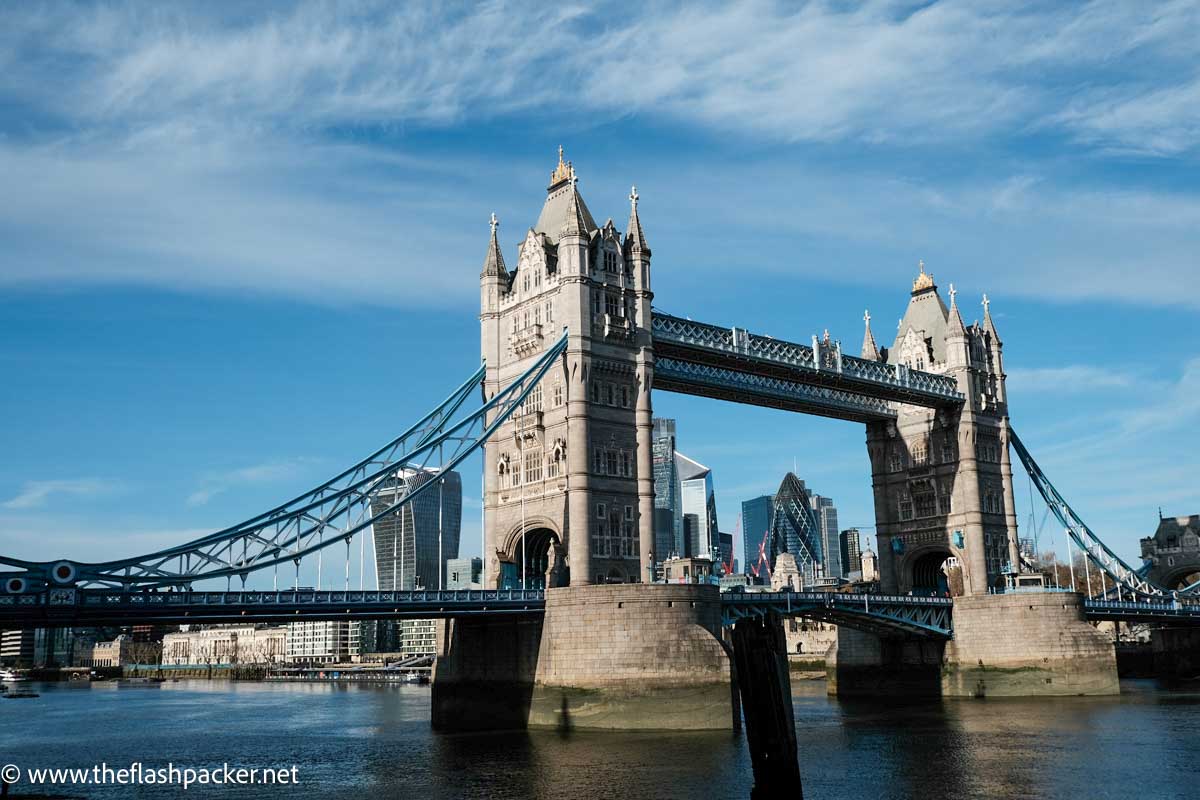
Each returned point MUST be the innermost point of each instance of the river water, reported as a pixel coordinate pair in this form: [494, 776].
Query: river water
[373, 742]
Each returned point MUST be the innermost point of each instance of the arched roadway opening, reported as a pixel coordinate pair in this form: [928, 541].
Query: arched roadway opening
[928, 573]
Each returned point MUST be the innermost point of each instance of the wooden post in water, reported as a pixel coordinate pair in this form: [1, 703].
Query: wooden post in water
[760, 655]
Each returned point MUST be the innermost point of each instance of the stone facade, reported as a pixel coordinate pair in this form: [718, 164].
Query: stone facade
[1174, 552]
[942, 480]
[588, 425]
[227, 644]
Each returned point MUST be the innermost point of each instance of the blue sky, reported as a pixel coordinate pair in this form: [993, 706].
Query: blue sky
[241, 247]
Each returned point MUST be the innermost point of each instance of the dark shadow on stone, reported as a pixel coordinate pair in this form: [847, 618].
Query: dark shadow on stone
[483, 677]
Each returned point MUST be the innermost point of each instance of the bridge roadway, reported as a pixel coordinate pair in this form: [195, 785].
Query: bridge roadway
[887, 615]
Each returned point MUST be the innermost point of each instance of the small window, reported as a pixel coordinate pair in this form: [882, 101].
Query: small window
[601, 511]
[612, 463]
[595, 391]
[628, 512]
[609, 393]
[599, 462]
[558, 394]
[624, 397]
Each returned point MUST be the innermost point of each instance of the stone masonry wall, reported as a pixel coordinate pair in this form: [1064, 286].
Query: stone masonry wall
[1026, 644]
[633, 656]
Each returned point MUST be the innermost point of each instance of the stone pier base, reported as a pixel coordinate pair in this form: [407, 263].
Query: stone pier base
[1009, 645]
[633, 656]
[484, 673]
[1024, 645]
[1176, 654]
[860, 664]
[628, 656]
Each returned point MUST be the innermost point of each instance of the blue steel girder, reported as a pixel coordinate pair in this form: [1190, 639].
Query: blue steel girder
[70, 607]
[885, 615]
[686, 377]
[738, 350]
[1173, 611]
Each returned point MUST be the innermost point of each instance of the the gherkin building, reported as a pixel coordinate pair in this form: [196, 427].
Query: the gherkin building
[795, 528]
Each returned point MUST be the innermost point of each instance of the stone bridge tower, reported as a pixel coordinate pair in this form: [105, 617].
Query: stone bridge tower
[568, 490]
[942, 480]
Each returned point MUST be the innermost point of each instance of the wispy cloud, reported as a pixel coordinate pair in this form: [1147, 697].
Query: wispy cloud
[192, 147]
[267, 472]
[820, 71]
[35, 494]
[1068, 379]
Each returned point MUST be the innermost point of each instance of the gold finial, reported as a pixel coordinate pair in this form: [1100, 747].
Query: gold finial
[563, 171]
[924, 280]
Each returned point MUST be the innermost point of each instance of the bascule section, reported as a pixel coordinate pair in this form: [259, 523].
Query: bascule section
[569, 495]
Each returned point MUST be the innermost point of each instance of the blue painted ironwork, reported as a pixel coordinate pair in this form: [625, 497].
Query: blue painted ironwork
[1133, 581]
[823, 365]
[1173, 610]
[887, 615]
[333, 513]
[688, 377]
[70, 607]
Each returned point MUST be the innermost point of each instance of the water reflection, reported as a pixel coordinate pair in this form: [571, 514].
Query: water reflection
[372, 743]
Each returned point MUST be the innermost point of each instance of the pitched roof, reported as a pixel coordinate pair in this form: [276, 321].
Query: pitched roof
[563, 199]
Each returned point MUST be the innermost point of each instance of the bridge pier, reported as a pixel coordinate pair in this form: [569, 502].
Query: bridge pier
[1026, 644]
[861, 664]
[1023, 644]
[1176, 654]
[619, 656]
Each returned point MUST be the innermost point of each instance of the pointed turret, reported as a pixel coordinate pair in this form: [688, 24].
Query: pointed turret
[869, 349]
[989, 327]
[954, 322]
[635, 238]
[575, 223]
[493, 262]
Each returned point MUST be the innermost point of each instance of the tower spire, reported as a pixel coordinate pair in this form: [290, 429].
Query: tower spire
[635, 238]
[493, 262]
[869, 349]
[988, 325]
[954, 320]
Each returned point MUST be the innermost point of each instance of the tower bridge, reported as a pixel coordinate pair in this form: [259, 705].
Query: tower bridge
[572, 351]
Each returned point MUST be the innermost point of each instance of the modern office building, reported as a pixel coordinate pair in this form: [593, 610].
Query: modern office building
[756, 522]
[418, 637]
[668, 514]
[413, 544]
[699, 503]
[851, 551]
[796, 529]
[322, 642]
[728, 564]
[826, 513]
[464, 573]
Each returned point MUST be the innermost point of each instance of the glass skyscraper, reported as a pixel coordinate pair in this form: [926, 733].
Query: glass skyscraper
[699, 501]
[668, 513]
[796, 528]
[406, 542]
[826, 514]
[756, 522]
